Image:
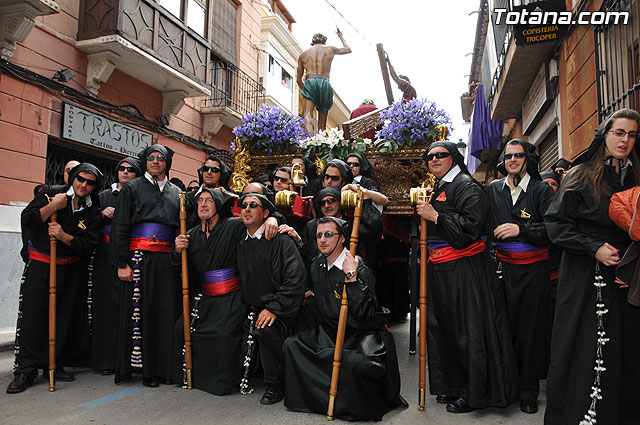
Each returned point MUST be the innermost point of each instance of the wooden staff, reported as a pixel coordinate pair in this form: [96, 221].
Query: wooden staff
[422, 381]
[344, 308]
[52, 305]
[186, 313]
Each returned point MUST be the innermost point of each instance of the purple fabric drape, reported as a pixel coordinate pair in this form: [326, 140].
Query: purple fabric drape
[485, 133]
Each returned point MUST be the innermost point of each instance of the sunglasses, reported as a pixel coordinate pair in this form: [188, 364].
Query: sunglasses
[214, 169]
[252, 205]
[282, 179]
[353, 164]
[560, 171]
[329, 177]
[205, 200]
[192, 189]
[438, 155]
[621, 133]
[89, 182]
[123, 168]
[508, 156]
[160, 158]
[327, 235]
[328, 202]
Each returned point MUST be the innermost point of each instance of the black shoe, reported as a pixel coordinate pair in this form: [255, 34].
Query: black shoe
[107, 372]
[459, 406]
[165, 381]
[272, 395]
[62, 375]
[150, 382]
[19, 384]
[529, 406]
[445, 399]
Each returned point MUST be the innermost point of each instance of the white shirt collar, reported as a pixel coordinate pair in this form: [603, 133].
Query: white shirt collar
[357, 178]
[87, 200]
[257, 234]
[161, 183]
[114, 187]
[448, 178]
[523, 185]
[339, 260]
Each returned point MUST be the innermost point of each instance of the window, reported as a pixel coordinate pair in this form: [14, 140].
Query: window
[223, 39]
[617, 60]
[196, 13]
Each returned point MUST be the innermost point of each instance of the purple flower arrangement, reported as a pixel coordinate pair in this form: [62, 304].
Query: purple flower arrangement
[271, 129]
[410, 122]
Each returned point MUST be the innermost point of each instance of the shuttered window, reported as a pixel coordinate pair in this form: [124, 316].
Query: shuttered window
[223, 41]
[548, 150]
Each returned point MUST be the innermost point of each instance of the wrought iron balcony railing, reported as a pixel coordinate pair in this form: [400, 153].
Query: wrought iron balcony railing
[234, 89]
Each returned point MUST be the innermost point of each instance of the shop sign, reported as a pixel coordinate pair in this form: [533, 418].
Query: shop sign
[92, 129]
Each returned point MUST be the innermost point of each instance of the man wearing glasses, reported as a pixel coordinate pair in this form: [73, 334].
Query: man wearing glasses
[518, 204]
[369, 384]
[76, 231]
[106, 285]
[281, 179]
[476, 367]
[214, 173]
[142, 234]
[273, 278]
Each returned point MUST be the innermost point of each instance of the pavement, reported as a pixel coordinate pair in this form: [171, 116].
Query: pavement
[95, 399]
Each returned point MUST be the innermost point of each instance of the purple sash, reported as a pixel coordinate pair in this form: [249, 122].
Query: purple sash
[153, 231]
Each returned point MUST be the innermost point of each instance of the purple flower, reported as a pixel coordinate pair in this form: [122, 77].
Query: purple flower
[271, 128]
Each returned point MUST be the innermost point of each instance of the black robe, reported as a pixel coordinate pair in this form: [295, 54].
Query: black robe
[105, 294]
[140, 201]
[273, 277]
[72, 330]
[579, 234]
[216, 336]
[469, 349]
[369, 384]
[526, 286]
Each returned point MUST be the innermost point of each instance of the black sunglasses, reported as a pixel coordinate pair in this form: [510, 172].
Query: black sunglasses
[252, 205]
[282, 179]
[438, 155]
[123, 168]
[193, 189]
[508, 156]
[328, 202]
[334, 178]
[214, 169]
[327, 235]
[353, 164]
[160, 158]
[89, 182]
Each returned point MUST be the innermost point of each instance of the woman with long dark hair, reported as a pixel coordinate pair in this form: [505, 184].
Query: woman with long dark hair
[595, 349]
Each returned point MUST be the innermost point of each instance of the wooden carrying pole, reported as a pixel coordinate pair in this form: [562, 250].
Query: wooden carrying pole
[422, 381]
[186, 313]
[53, 255]
[344, 308]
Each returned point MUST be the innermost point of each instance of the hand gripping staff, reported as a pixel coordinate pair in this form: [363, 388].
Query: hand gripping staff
[422, 194]
[348, 199]
[53, 255]
[186, 312]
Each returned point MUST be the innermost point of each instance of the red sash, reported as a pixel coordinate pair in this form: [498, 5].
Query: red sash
[524, 257]
[144, 244]
[449, 253]
[45, 258]
[221, 288]
[555, 275]
[104, 237]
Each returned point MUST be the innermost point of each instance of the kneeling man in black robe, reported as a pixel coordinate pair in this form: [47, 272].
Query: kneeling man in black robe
[369, 384]
[273, 277]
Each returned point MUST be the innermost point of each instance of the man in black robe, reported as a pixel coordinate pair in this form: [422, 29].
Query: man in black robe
[471, 360]
[518, 203]
[106, 285]
[217, 309]
[369, 384]
[76, 230]
[553, 179]
[273, 278]
[142, 234]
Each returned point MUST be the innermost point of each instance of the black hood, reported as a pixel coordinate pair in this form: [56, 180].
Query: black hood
[166, 151]
[366, 169]
[309, 167]
[550, 175]
[225, 172]
[327, 191]
[134, 162]
[563, 163]
[343, 169]
[224, 201]
[532, 158]
[266, 203]
[458, 159]
[85, 167]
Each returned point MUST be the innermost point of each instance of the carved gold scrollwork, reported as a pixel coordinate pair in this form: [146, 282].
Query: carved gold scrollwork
[240, 177]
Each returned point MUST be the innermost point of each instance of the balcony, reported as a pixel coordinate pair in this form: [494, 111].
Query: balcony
[233, 94]
[17, 18]
[141, 39]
